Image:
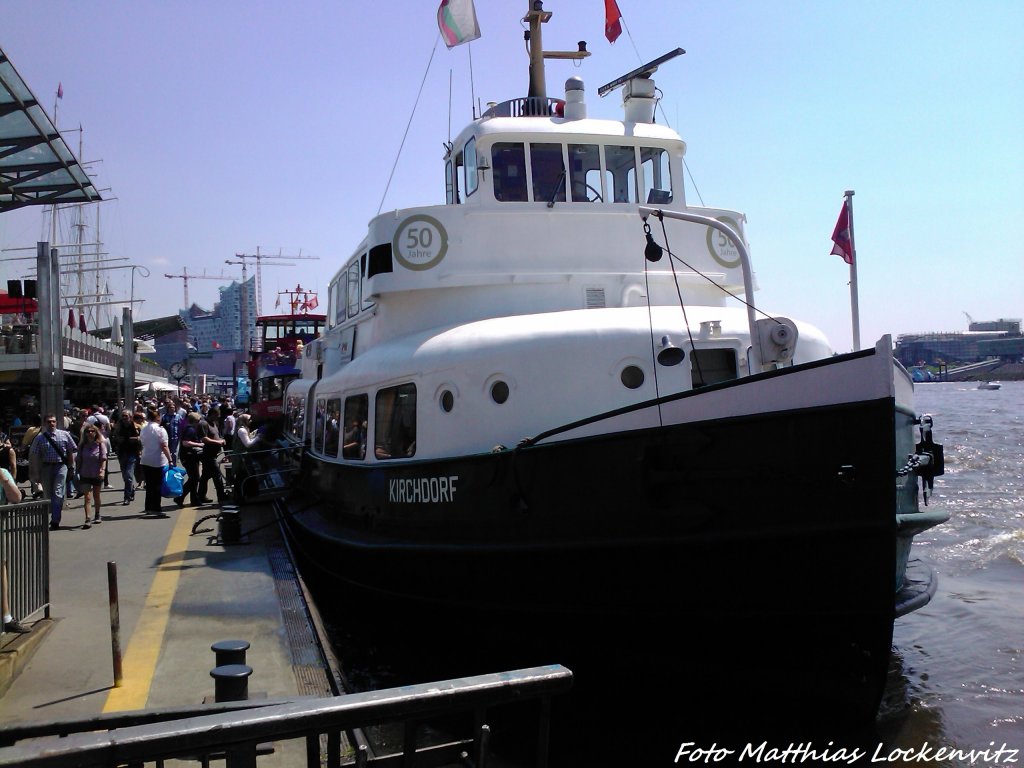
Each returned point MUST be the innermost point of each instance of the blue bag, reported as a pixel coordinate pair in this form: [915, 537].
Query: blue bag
[173, 483]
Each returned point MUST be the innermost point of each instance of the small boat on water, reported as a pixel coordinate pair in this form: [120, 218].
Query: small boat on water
[541, 402]
[989, 385]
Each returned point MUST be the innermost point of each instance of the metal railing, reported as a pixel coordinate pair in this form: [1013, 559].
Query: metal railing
[24, 340]
[238, 736]
[263, 475]
[25, 558]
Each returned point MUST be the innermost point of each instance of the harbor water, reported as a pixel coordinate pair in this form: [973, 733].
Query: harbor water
[956, 678]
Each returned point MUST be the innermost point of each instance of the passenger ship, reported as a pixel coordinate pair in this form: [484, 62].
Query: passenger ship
[540, 402]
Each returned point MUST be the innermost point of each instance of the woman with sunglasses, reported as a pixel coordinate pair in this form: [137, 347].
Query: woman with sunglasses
[92, 462]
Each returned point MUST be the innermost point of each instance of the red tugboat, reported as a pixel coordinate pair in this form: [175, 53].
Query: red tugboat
[278, 347]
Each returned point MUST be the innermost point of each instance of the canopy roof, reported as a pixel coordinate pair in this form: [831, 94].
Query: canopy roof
[36, 166]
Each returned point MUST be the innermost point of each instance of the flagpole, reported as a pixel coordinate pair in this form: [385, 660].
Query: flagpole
[854, 307]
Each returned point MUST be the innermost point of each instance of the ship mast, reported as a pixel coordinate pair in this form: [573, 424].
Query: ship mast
[535, 16]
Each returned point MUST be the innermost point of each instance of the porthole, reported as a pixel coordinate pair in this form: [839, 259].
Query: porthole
[447, 401]
[499, 392]
[632, 377]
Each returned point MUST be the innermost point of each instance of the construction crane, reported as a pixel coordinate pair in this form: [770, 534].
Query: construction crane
[185, 276]
[970, 321]
[258, 258]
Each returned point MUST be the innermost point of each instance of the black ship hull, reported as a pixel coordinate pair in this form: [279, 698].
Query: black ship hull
[764, 540]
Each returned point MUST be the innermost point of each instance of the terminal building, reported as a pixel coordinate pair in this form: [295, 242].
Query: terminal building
[982, 341]
[45, 362]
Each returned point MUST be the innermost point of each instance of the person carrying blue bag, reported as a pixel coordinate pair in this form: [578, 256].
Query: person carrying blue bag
[173, 484]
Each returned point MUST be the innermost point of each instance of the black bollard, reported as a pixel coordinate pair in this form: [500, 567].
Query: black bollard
[230, 522]
[230, 651]
[231, 682]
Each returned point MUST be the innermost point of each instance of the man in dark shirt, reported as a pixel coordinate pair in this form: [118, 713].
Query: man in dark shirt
[212, 446]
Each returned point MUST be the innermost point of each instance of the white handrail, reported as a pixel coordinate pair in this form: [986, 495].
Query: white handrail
[748, 279]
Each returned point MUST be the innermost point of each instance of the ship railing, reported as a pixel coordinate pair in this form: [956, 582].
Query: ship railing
[318, 727]
[264, 474]
[25, 559]
[529, 106]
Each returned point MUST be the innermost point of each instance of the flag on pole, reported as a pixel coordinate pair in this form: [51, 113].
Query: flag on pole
[277, 304]
[841, 236]
[60, 90]
[456, 19]
[612, 23]
[314, 302]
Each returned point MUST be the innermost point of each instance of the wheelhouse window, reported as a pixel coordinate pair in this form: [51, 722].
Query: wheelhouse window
[339, 292]
[472, 178]
[451, 189]
[319, 424]
[394, 425]
[620, 174]
[354, 434]
[548, 170]
[656, 176]
[585, 173]
[508, 170]
[710, 366]
[332, 431]
[353, 290]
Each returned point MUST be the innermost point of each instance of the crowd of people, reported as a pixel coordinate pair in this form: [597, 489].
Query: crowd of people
[70, 456]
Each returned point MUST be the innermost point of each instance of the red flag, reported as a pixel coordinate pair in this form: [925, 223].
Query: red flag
[71, 318]
[81, 323]
[215, 344]
[313, 302]
[841, 236]
[60, 90]
[612, 26]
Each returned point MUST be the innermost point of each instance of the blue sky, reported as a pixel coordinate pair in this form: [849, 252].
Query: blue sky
[225, 126]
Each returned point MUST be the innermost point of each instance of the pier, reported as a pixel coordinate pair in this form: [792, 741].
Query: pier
[181, 591]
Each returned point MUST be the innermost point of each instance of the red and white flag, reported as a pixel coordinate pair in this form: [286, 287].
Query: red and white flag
[313, 302]
[612, 23]
[841, 236]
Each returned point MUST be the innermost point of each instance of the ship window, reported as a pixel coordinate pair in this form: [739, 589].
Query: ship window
[508, 164]
[333, 426]
[585, 173]
[548, 172]
[632, 377]
[710, 366]
[499, 392]
[657, 179]
[338, 297]
[394, 425]
[451, 191]
[353, 290]
[447, 401]
[354, 445]
[319, 424]
[621, 173]
[296, 416]
[472, 179]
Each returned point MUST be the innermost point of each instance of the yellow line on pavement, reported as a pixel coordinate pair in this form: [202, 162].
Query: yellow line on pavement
[143, 651]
